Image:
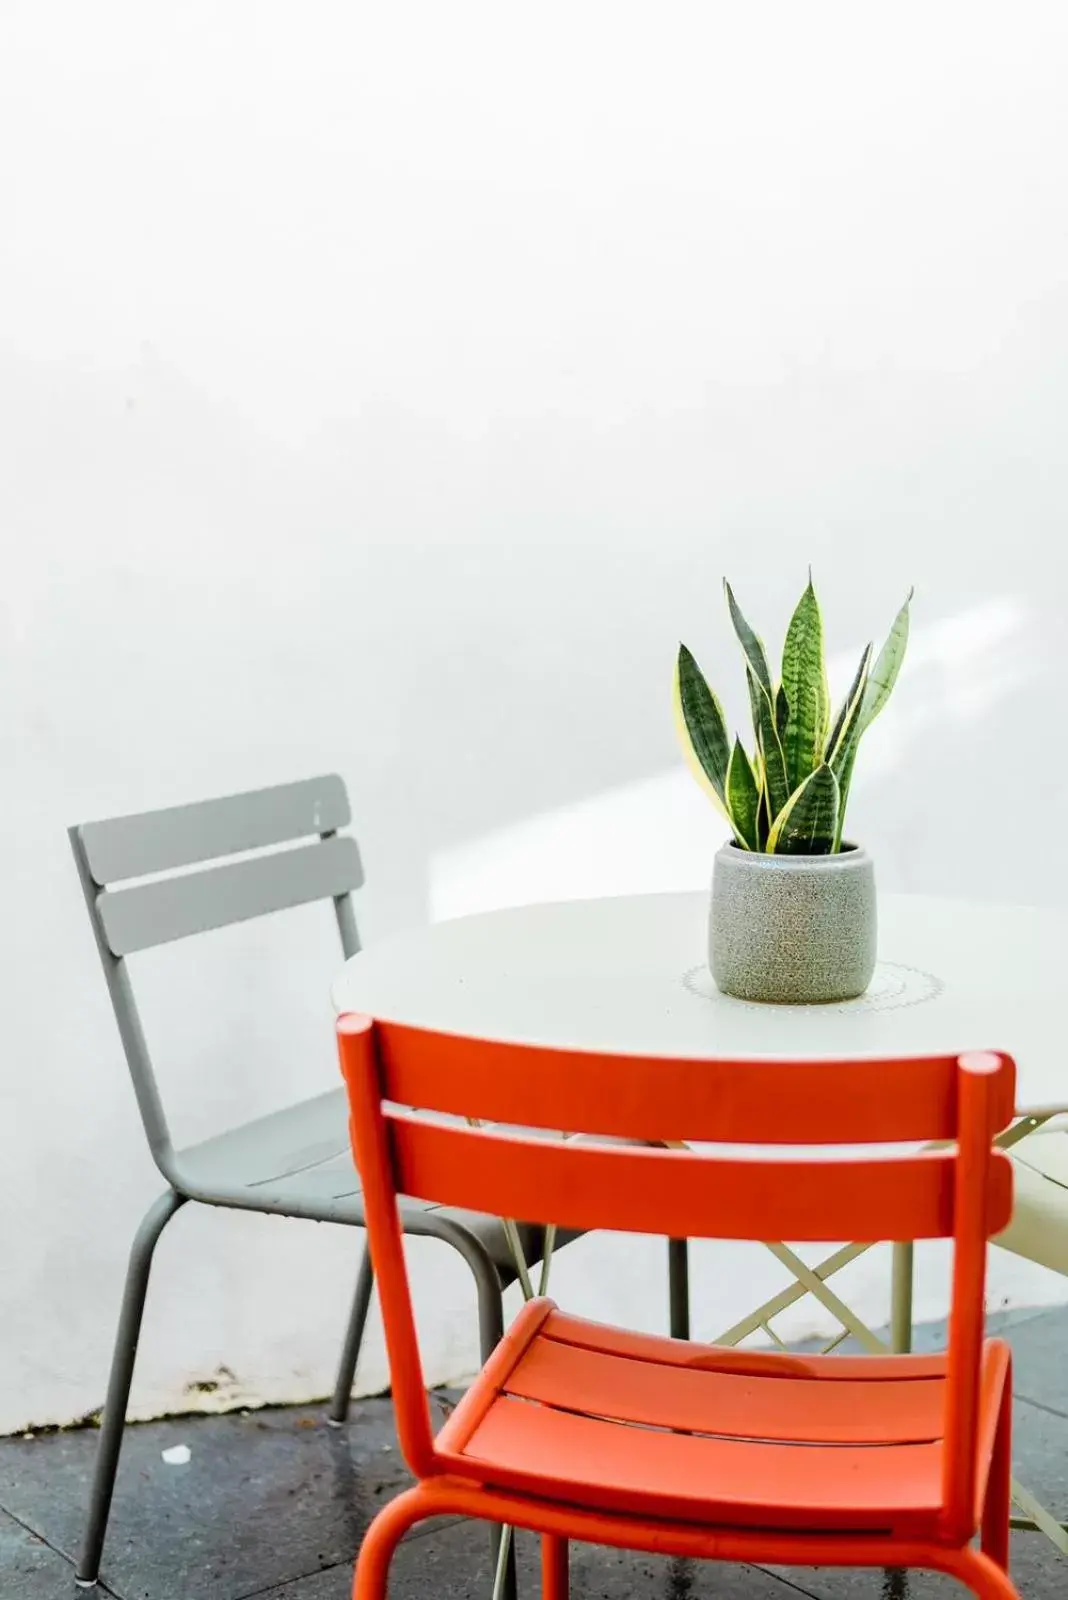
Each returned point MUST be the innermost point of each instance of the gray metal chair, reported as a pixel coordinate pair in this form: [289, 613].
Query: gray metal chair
[296, 1162]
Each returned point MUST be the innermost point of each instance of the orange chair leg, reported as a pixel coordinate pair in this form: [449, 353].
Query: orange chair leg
[995, 1530]
[381, 1540]
[986, 1578]
[554, 1574]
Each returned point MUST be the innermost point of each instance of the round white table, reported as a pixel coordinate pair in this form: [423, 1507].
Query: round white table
[630, 975]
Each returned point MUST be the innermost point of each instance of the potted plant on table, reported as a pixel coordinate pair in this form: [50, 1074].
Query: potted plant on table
[793, 916]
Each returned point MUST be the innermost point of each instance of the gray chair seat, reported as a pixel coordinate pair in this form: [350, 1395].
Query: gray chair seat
[298, 1161]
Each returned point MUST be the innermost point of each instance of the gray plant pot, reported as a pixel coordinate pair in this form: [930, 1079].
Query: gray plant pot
[794, 930]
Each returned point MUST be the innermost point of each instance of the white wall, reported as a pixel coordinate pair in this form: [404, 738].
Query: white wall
[387, 388]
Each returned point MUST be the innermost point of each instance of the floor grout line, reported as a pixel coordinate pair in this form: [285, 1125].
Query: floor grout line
[442, 1525]
[1040, 1405]
[297, 1577]
[35, 1533]
[769, 1572]
[438, 1525]
[434, 1525]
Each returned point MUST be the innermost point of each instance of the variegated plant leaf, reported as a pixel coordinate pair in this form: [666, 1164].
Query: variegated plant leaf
[755, 696]
[782, 712]
[762, 809]
[756, 659]
[808, 823]
[702, 727]
[743, 798]
[780, 797]
[850, 703]
[776, 784]
[844, 753]
[803, 685]
[877, 691]
[887, 666]
[763, 825]
[825, 697]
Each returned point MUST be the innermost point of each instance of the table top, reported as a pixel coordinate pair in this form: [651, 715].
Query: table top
[630, 975]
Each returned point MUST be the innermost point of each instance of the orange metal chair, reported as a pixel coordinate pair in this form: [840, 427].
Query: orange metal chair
[578, 1431]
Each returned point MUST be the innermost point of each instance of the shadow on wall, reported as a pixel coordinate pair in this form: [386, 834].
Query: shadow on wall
[960, 697]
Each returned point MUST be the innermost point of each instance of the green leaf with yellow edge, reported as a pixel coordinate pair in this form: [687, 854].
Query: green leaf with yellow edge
[776, 783]
[751, 645]
[743, 798]
[851, 704]
[804, 690]
[702, 728]
[755, 693]
[808, 823]
[887, 666]
[844, 753]
[825, 697]
[762, 809]
[763, 826]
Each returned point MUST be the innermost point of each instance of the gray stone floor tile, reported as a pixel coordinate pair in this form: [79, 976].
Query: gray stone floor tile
[932, 1336]
[1040, 1457]
[1040, 1358]
[1039, 1340]
[454, 1565]
[273, 1505]
[266, 1496]
[1038, 1571]
[31, 1569]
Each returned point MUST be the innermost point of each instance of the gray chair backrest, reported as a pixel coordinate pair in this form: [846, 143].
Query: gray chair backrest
[129, 916]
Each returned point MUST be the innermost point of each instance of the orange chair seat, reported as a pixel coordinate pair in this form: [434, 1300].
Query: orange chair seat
[625, 1422]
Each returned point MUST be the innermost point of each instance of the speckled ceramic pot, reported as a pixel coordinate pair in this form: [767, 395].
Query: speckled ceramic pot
[794, 930]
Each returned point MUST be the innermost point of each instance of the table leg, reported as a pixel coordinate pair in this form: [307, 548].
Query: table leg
[1037, 1518]
[815, 1285]
[902, 1278]
[759, 1319]
[901, 1299]
[679, 1287]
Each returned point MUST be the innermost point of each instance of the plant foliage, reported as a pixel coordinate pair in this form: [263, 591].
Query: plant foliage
[789, 795]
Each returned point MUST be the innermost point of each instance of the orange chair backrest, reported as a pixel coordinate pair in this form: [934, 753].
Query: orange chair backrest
[962, 1191]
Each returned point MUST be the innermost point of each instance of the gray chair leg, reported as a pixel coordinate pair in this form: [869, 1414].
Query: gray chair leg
[679, 1288]
[122, 1365]
[350, 1354]
[491, 1332]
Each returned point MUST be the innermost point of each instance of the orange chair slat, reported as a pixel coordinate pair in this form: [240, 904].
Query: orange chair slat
[682, 1193]
[653, 1347]
[739, 1407]
[498, 1368]
[556, 1455]
[841, 1470]
[635, 1097]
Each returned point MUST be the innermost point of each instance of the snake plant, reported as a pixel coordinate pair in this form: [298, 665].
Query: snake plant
[788, 795]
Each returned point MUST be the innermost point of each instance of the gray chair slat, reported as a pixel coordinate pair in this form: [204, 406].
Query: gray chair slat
[148, 914]
[180, 836]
